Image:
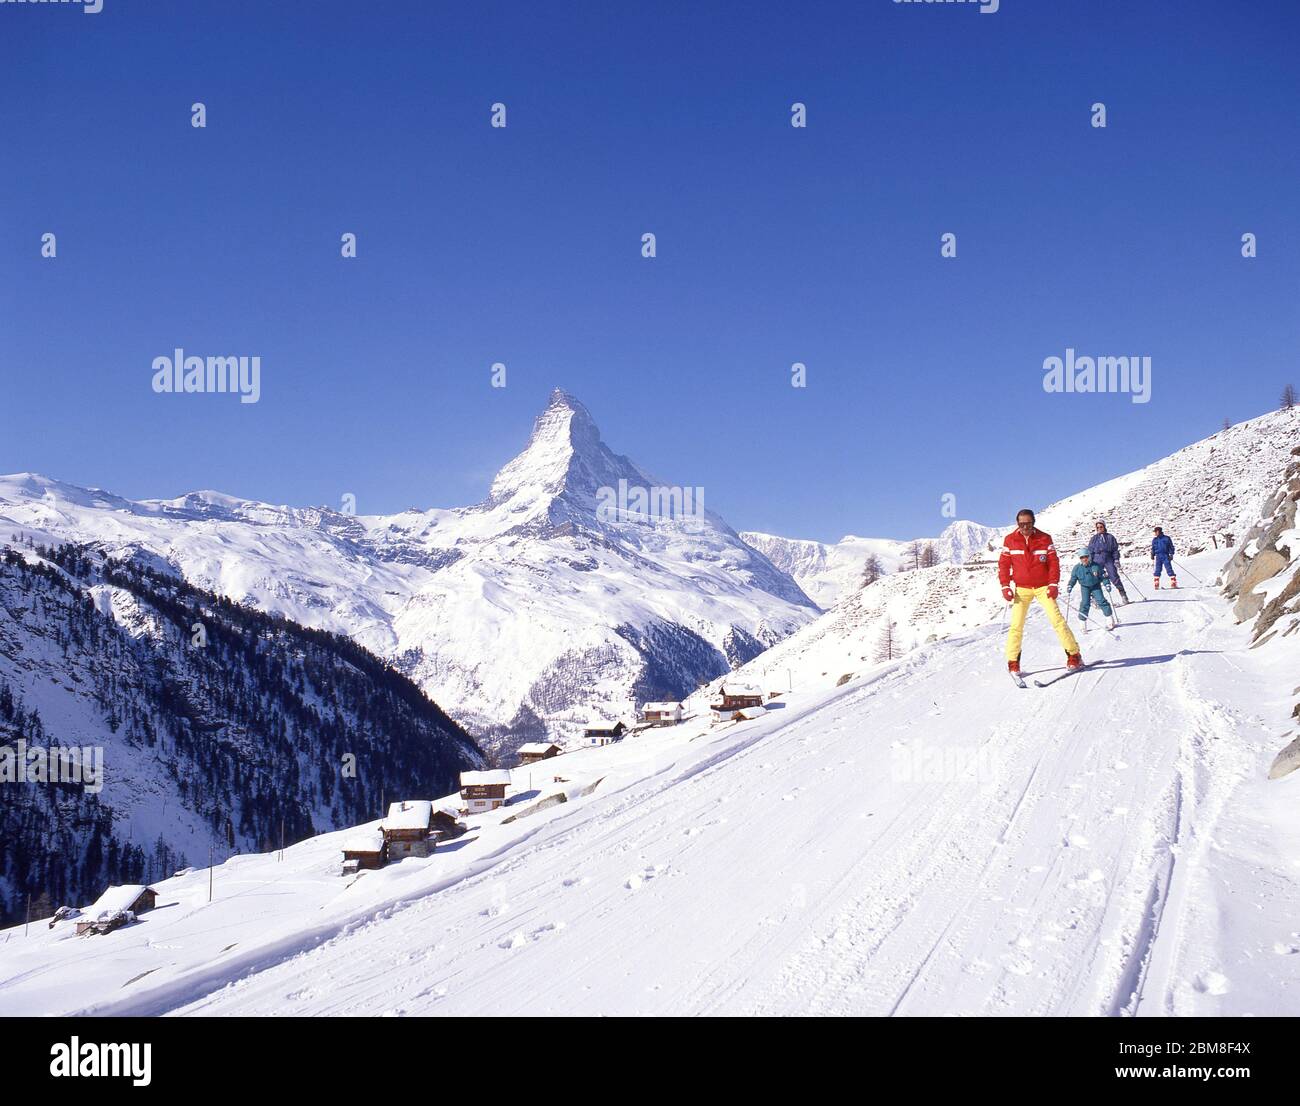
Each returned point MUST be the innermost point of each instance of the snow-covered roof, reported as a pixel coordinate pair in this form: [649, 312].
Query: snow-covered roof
[536, 747]
[410, 814]
[659, 708]
[115, 899]
[739, 689]
[750, 712]
[364, 841]
[481, 779]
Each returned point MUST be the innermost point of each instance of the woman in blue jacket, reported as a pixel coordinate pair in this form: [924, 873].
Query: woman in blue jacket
[1091, 579]
[1162, 554]
[1105, 552]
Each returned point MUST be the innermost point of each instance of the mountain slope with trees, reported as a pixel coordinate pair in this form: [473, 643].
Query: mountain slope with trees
[220, 726]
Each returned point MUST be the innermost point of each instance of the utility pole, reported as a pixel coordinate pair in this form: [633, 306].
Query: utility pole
[209, 873]
[29, 913]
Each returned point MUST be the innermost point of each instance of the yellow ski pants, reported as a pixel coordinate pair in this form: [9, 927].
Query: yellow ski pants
[1020, 608]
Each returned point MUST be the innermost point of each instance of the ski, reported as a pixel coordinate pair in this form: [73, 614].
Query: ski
[1018, 679]
[1062, 676]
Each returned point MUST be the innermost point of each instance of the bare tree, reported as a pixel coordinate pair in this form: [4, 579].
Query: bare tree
[887, 647]
[872, 570]
[929, 555]
[1288, 397]
[1227, 424]
[911, 556]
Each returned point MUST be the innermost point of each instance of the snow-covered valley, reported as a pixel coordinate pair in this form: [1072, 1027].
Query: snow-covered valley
[925, 839]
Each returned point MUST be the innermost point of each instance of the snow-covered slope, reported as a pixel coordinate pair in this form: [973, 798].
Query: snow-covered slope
[1210, 491]
[925, 840]
[827, 572]
[528, 613]
[1201, 494]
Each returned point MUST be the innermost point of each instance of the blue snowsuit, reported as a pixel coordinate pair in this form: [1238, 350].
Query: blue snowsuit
[1105, 552]
[1090, 578]
[1162, 549]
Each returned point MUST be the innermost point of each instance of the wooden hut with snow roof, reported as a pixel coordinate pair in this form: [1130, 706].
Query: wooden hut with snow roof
[408, 829]
[364, 849]
[116, 907]
[732, 697]
[661, 714]
[484, 791]
[533, 751]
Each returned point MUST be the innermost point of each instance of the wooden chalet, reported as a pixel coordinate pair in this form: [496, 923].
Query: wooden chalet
[408, 829]
[365, 849]
[533, 751]
[116, 907]
[604, 735]
[733, 697]
[484, 791]
[661, 714]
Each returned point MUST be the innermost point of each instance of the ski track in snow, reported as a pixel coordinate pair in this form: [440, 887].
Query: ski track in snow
[805, 869]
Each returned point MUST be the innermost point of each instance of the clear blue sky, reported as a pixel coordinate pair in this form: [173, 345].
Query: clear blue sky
[522, 245]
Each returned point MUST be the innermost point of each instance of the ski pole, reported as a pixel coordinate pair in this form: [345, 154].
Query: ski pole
[1188, 571]
[1133, 584]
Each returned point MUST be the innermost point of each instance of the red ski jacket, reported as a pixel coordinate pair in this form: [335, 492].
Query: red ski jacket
[1032, 563]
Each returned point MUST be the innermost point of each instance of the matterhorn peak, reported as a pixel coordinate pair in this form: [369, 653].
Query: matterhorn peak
[565, 457]
[567, 420]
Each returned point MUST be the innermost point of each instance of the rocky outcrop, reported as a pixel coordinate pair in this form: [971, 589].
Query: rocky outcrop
[1263, 576]
[1266, 564]
[1287, 761]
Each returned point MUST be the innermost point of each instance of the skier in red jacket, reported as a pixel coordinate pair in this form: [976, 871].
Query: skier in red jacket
[1029, 559]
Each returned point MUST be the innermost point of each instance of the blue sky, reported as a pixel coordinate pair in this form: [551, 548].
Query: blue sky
[775, 245]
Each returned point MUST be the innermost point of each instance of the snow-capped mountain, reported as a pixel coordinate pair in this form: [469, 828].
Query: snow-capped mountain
[578, 587]
[202, 723]
[826, 571]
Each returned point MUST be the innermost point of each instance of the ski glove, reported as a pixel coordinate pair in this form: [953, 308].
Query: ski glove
[1007, 595]
[1051, 591]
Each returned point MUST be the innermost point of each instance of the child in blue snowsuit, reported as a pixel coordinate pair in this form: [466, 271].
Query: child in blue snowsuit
[1162, 553]
[1090, 578]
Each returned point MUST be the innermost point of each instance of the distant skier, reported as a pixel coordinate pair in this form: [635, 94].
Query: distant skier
[1029, 558]
[1090, 578]
[1162, 556]
[1104, 550]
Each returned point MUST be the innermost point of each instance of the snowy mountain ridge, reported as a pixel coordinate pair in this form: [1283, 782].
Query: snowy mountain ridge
[828, 571]
[595, 611]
